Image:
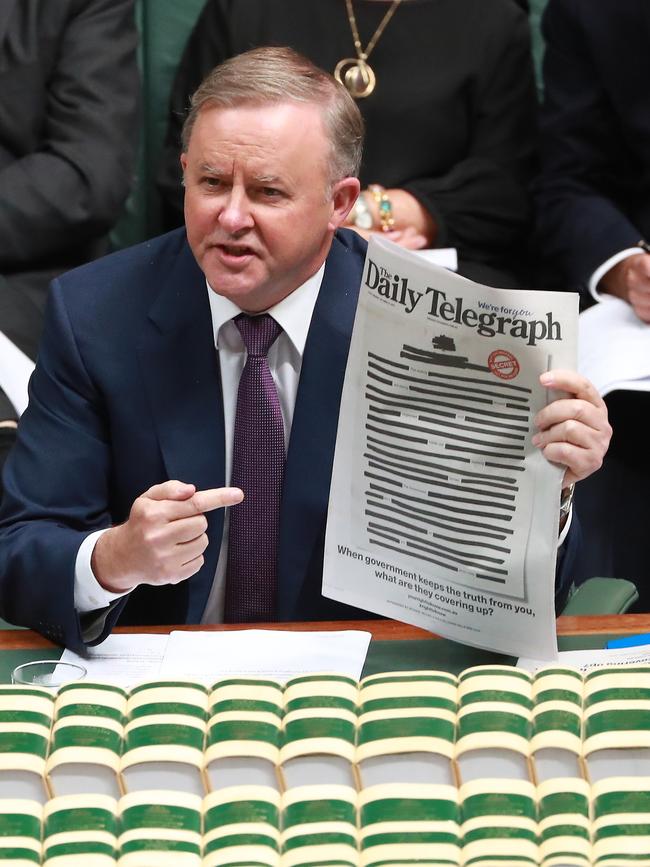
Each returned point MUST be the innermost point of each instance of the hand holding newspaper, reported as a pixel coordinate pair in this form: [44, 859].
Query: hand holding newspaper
[442, 512]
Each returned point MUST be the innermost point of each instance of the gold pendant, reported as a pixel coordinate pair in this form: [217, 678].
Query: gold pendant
[356, 76]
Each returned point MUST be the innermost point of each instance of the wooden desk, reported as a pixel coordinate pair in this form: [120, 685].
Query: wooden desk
[382, 630]
[394, 645]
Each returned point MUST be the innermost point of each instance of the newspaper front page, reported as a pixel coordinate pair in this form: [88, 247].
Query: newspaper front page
[442, 512]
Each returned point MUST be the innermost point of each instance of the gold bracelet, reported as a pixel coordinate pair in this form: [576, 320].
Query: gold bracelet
[386, 221]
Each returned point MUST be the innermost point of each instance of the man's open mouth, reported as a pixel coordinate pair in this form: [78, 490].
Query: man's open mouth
[236, 250]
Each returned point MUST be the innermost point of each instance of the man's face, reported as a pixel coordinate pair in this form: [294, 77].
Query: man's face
[258, 211]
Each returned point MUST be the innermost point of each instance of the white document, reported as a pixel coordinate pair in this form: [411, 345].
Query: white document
[15, 370]
[586, 660]
[614, 347]
[442, 513]
[122, 659]
[206, 656]
[446, 257]
[279, 654]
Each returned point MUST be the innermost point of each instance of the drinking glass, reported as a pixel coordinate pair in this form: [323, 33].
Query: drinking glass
[47, 672]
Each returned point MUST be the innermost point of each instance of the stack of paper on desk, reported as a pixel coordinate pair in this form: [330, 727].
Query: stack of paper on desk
[196, 655]
[614, 347]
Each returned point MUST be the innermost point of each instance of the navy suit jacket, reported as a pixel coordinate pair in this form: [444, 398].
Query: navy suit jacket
[127, 394]
[593, 196]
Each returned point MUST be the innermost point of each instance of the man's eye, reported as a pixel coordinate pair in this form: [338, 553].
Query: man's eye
[271, 192]
[212, 183]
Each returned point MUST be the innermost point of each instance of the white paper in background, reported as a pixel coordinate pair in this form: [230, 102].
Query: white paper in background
[445, 257]
[442, 513]
[263, 653]
[122, 659]
[15, 370]
[585, 660]
[614, 347]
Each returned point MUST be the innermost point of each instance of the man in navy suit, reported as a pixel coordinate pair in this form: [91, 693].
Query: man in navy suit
[115, 491]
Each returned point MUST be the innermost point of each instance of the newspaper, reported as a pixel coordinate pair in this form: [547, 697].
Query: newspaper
[442, 513]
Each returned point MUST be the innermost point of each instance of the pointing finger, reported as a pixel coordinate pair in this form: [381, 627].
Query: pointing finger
[170, 490]
[216, 498]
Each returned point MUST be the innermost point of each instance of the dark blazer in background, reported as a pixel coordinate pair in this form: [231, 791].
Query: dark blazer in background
[593, 200]
[69, 91]
[593, 197]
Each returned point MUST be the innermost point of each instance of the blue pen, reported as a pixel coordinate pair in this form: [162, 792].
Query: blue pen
[629, 641]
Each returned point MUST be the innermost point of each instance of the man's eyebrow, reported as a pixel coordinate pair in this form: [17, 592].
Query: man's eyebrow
[268, 179]
[211, 170]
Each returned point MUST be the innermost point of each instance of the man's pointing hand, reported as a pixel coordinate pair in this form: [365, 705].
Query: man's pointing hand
[163, 540]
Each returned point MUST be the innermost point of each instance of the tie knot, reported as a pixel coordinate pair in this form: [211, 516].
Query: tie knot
[257, 332]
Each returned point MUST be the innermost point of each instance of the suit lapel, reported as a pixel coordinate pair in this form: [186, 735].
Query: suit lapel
[181, 373]
[313, 432]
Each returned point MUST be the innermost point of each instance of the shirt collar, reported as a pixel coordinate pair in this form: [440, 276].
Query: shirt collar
[293, 313]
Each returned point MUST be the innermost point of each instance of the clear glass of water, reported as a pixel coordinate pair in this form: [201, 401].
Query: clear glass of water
[47, 672]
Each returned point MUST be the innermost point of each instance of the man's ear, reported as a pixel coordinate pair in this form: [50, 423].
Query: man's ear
[183, 162]
[344, 195]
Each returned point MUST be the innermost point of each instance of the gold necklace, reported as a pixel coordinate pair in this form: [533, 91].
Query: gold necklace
[355, 74]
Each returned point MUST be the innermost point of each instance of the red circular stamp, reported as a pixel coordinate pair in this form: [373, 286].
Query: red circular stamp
[503, 364]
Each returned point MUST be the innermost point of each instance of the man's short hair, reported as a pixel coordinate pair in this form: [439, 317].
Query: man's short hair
[265, 76]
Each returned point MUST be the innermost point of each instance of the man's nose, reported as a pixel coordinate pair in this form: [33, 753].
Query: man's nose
[235, 214]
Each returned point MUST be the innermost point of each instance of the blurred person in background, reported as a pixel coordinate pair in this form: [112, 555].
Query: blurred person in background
[69, 91]
[446, 90]
[593, 229]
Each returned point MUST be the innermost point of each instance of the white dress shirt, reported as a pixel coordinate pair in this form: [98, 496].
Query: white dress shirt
[293, 314]
[15, 370]
[601, 270]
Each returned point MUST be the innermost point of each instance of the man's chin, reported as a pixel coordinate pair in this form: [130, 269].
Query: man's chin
[236, 277]
[248, 295]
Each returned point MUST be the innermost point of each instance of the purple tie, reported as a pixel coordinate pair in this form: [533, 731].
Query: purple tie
[258, 469]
